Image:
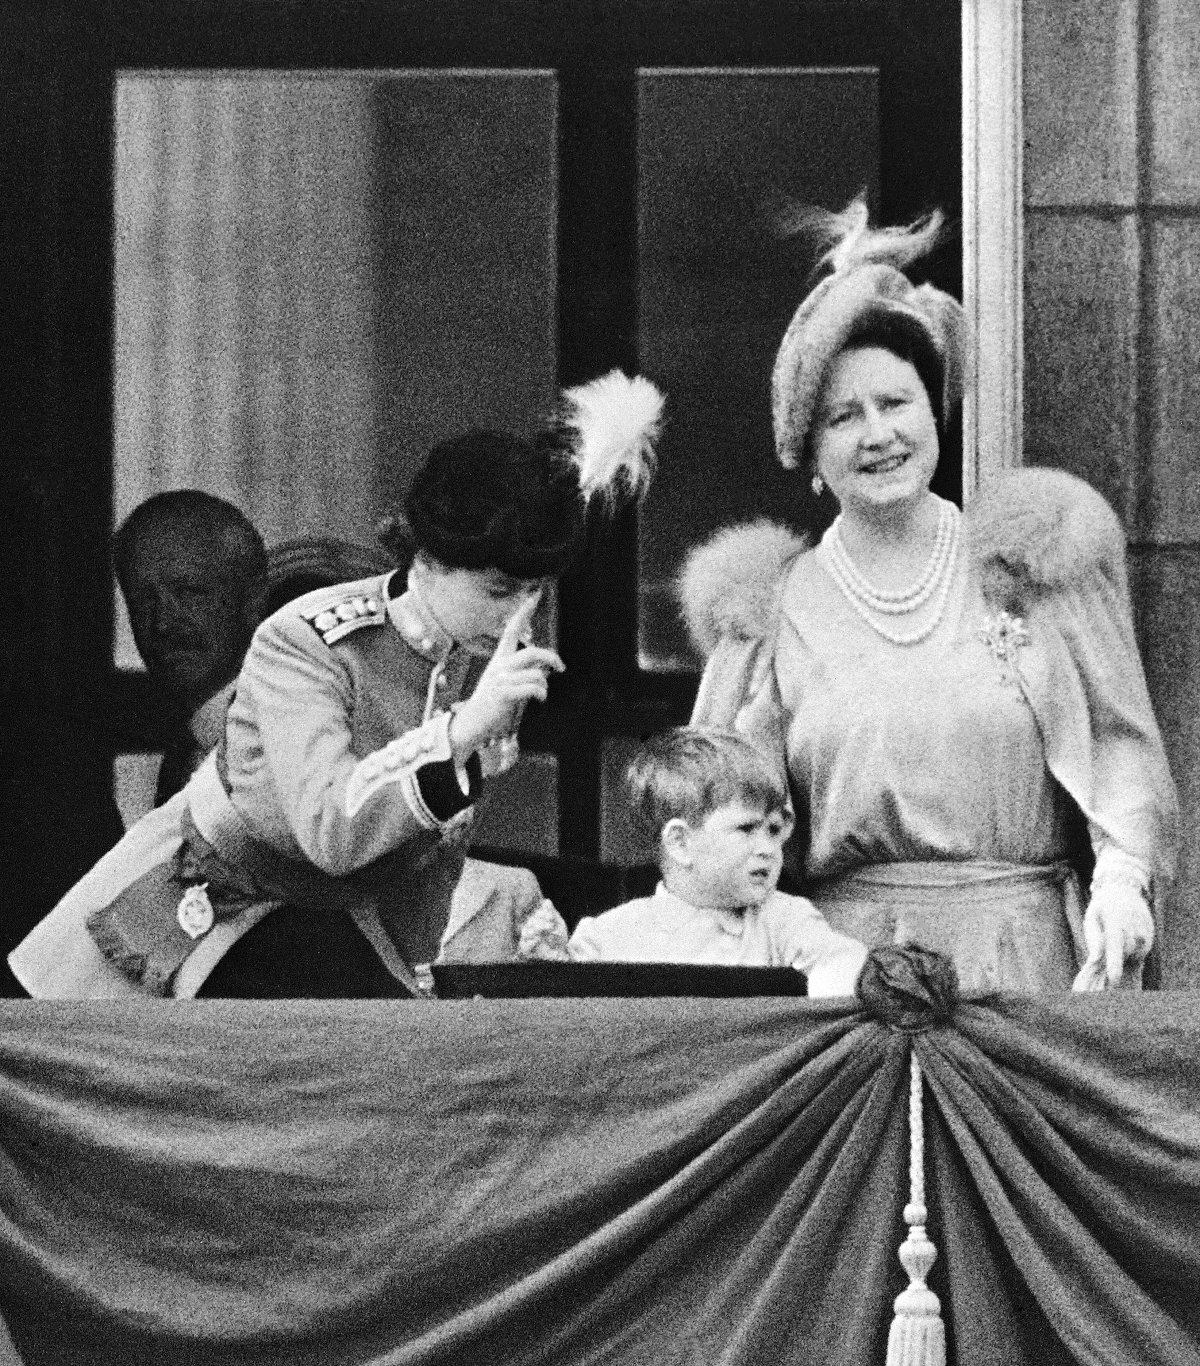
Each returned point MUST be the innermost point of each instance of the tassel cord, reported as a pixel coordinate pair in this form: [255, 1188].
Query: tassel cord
[917, 1336]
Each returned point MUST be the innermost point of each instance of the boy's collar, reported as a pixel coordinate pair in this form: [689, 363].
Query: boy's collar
[731, 921]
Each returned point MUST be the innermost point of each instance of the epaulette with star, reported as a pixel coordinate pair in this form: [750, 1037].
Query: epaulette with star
[338, 619]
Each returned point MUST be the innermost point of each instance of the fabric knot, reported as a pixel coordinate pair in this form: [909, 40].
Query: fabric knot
[907, 987]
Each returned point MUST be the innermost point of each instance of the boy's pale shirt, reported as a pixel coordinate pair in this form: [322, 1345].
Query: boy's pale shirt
[784, 931]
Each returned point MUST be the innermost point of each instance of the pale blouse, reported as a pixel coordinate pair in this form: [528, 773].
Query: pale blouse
[784, 932]
[905, 753]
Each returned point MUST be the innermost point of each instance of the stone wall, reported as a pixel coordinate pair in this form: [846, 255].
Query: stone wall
[1112, 332]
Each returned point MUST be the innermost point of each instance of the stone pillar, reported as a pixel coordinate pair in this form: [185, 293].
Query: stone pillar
[1112, 333]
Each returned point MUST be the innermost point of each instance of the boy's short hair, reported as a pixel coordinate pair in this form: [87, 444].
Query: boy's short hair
[689, 772]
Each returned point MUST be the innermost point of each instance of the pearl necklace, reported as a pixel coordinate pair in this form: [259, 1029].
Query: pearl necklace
[866, 599]
[905, 599]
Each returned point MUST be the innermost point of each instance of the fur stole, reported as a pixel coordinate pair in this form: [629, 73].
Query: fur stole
[1032, 531]
[729, 586]
[1029, 532]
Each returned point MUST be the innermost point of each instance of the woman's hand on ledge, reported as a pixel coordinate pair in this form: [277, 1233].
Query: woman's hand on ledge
[1118, 930]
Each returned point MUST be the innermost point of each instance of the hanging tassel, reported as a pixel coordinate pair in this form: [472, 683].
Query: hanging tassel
[918, 1336]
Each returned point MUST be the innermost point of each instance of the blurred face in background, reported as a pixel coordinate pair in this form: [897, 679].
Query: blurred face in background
[191, 607]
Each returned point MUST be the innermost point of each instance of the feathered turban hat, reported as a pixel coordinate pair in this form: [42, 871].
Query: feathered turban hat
[866, 286]
[491, 500]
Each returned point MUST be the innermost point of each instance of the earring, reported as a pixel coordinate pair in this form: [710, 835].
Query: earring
[818, 485]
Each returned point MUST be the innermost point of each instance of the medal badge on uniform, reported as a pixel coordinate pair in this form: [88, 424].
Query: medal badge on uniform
[195, 912]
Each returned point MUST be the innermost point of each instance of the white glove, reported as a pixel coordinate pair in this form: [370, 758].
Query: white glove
[498, 756]
[543, 935]
[1118, 927]
[515, 675]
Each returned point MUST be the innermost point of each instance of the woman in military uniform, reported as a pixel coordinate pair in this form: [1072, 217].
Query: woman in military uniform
[316, 852]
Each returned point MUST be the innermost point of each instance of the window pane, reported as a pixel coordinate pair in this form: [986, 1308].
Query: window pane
[317, 276]
[718, 153]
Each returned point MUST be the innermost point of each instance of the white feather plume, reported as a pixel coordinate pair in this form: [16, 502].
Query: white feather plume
[615, 421]
[850, 239]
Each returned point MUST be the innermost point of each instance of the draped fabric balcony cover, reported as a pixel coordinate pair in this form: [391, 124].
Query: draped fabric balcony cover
[644, 1182]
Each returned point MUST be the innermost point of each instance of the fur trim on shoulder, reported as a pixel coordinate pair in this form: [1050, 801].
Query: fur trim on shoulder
[730, 584]
[1034, 530]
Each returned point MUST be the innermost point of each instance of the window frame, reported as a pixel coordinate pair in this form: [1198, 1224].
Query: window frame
[73, 52]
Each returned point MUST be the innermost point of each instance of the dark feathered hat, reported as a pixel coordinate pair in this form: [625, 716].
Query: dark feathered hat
[492, 500]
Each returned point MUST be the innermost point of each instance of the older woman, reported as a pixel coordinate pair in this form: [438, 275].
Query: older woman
[316, 853]
[956, 696]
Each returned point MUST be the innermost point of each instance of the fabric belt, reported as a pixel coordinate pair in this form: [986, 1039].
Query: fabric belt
[934, 879]
[942, 895]
[284, 879]
[238, 880]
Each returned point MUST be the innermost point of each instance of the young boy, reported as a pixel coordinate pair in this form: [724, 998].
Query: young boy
[720, 813]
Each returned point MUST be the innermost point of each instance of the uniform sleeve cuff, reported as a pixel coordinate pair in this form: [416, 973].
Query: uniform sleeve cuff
[440, 787]
[434, 799]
